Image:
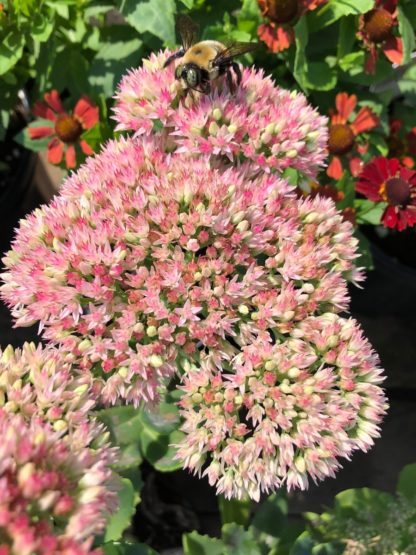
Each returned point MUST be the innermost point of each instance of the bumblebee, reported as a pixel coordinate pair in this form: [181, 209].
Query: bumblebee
[204, 61]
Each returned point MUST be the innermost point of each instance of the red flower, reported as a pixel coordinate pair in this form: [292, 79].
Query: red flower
[402, 145]
[278, 33]
[385, 180]
[67, 128]
[376, 30]
[343, 130]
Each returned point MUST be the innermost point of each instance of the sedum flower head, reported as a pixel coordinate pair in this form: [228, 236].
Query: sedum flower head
[53, 499]
[284, 409]
[37, 382]
[144, 260]
[268, 126]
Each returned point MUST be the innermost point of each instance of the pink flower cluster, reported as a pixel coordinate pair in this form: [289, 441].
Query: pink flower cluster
[183, 250]
[37, 382]
[143, 260]
[53, 499]
[283, 409]
[268, 126]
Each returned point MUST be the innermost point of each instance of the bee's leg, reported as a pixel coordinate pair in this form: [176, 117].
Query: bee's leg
[230, 80]
[175, 56]
[237, 72]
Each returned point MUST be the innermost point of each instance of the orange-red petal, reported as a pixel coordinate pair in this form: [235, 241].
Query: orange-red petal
[356, 165]
[70, 157]
[42, 110]
[55, 151]
[364, 121]
[53, 100]
[87, 112]
[393, 49]
[276, 38]
[345, 104]
[85, 147]
[40, 132]
[390, 5]
[334, 169]
[371, 60]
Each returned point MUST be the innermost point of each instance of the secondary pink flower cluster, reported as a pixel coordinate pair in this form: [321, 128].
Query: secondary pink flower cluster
[142, 260]
[53, 460]
[52, 498]
[284, 409]
[37, 382]
[270, 127]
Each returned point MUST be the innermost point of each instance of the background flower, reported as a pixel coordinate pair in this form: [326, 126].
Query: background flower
[343, 130]
[283, 412]
[268, 126]
[278, 33]
[53, 498]
[67, 128]
[385, 180]
[376, 30]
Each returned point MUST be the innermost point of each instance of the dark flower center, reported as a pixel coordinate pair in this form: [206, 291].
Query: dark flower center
[281, 11]
[341, 138]
[397, 191]
[68, 128]
[378, 24]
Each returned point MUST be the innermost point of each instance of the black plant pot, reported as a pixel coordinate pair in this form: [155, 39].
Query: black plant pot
[386, 308]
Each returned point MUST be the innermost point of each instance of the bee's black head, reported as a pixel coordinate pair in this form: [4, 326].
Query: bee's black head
[193, 75]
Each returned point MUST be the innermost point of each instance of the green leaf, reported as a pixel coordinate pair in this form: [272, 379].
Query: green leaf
[61, 8]
[332, 548]
[369, 212]
[154, 16]
[70, 71]
[188, 3]
[234, 510]
[320, 77]
[122, 518]
[42, 27]
[11, 49]
[37, 145]
[129, 456]
[116, 548]
[352, 503]
[196, 544]
[300, 63]
[123, 423]
[346, 40]
[407, 481]
[303, 545]
[117, 54]
[163, 418]
[168, 462]
[379, 143]
[334, 10]
[97, 135]
[271, 517]
[407, 33]
[239, 541]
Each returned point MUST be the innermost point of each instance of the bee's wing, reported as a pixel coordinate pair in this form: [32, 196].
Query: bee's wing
[233, 50]
[188, 30]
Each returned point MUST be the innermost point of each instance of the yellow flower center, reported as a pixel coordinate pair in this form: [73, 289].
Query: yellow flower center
[68, 128]
[281, 11]
[341, 138]
[395, 191]
[378, 24]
